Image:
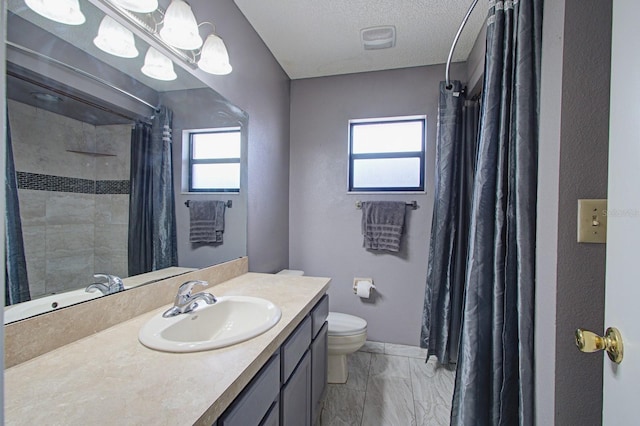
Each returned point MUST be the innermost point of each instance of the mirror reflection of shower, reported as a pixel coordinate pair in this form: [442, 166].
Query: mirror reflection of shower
[73, 187]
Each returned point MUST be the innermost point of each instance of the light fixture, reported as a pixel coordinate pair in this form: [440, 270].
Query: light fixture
[180, 28]
[158, 66]
[140, 6]
[63, 11]
[214, 58]
[176, 32]
[382, 37]
[115, 39]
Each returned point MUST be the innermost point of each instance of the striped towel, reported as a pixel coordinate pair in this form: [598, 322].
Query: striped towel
[382, 224]
[206, 221]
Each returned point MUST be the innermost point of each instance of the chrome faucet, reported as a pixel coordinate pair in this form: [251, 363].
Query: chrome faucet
[111, 284]
[186, 302]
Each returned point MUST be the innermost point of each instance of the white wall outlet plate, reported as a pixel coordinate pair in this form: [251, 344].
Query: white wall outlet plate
[592, 221]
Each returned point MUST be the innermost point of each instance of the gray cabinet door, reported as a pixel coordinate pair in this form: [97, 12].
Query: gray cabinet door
[295, 397]
[318, 371]
[273, 416]
[255, 400]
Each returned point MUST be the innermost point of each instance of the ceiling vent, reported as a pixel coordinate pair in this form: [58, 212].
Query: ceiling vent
[374, 38]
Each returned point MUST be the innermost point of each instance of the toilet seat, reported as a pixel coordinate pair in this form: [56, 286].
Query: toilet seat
[345, 325]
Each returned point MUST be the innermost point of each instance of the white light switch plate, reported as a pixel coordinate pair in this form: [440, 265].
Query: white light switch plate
[592, 221]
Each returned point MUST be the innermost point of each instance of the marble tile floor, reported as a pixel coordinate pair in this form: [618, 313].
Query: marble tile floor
[390, 385]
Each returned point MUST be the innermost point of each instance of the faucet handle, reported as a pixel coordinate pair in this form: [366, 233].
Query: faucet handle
[102, 278]
[114, 282]
[184, 291]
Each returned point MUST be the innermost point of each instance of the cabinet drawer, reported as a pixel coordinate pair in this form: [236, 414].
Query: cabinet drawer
[294, 348]
[253, 403]
[319, 315]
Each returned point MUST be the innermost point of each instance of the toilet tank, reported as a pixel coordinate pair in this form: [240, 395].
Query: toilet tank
[291, 272]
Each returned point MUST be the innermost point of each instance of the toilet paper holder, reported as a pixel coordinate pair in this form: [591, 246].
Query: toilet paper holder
[357, 280]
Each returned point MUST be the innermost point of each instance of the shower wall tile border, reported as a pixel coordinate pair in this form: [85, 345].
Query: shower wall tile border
[42, 182]
[112, 187]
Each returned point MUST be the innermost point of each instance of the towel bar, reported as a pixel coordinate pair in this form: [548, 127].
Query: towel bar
[413, 204]
[229, 203]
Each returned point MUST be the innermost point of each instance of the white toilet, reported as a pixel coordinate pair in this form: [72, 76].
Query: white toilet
[346, 334]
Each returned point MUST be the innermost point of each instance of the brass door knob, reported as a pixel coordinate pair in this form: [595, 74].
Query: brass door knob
[611, 342]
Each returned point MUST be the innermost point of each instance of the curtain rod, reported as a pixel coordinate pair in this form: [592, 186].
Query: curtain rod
[81, 72]
[455, 41]
[68, 95]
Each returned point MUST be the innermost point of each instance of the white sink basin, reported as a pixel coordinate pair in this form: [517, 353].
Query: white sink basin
[231, 320]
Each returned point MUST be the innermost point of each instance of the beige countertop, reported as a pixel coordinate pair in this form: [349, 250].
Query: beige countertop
[109, 378]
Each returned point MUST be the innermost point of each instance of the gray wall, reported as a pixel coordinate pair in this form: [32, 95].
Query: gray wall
[325, 237]
[260, 87]
[575, 149]
[201, 109]
[583, 174]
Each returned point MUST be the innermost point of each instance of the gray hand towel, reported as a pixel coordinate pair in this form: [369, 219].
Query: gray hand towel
[206, 221]
[382, 224]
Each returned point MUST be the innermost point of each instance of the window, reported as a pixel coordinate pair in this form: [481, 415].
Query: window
[387, 154]
[214, 160]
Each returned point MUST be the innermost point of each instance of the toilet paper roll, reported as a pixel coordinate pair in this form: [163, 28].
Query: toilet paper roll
[363, 289]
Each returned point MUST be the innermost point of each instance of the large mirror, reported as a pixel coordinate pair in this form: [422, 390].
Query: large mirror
[74, 113]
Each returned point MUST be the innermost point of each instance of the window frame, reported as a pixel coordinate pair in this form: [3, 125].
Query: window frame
[421, 155]
[192, 161]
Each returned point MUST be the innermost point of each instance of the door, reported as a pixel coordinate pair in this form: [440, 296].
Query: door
[622, 382]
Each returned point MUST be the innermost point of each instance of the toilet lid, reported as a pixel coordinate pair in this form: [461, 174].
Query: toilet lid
[345, 325]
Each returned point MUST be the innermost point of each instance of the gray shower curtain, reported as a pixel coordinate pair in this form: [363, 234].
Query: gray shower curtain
[16, 281]
[494, 377]
[455, 165]
[152, 221]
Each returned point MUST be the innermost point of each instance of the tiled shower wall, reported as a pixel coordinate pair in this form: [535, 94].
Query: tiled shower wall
[74, 206]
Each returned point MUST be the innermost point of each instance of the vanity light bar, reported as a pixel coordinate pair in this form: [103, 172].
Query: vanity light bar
[144, 32]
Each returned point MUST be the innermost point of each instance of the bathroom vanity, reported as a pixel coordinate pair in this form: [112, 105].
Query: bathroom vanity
[288, 389]
[276, 378]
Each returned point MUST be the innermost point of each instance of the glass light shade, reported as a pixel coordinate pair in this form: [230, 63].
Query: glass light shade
[158, 66]
[115, 39]
[63, 11]
[140, 6]
[214, 58]
[180, 28]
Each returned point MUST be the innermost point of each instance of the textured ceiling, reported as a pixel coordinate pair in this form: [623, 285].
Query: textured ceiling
[312, 38]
